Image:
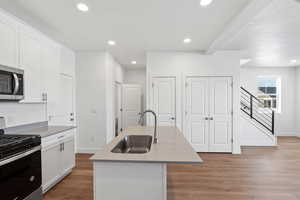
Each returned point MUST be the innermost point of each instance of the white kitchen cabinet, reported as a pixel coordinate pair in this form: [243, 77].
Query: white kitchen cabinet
[50, 77]
[8, 41]
[65, 115]
[67, 62]
[68, 155]
[31, 62]
[58, 158]
[51, 164]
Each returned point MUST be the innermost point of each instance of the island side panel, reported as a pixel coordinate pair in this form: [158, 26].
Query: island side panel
[128, 181]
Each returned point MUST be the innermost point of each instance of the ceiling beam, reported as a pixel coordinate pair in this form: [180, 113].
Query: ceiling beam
[238, 23]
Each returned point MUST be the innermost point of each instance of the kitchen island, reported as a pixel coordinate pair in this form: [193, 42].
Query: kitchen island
[132, 176]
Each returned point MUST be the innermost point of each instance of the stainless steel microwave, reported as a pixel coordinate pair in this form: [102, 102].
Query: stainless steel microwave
[11, 84]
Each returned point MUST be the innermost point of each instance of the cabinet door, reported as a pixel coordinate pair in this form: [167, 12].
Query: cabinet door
[50, 165]
[8, 41]
[50, 77]
[30, 61]
[67, 62]
[65, 115]
[68, 155]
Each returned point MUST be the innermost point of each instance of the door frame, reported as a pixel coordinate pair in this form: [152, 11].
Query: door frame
[149, 119]
[184, 96]
[118, 89]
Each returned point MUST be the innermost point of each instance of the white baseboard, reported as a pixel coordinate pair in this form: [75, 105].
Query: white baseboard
[288, 133]
[88, 150]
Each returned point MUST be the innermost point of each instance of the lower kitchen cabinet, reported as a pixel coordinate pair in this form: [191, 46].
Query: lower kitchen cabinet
[58, 158]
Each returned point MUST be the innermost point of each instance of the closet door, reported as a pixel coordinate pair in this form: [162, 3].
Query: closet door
[209, 113]
[220, 123]
[197, 111]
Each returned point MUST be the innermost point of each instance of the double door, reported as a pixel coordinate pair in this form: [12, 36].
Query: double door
[209, 113]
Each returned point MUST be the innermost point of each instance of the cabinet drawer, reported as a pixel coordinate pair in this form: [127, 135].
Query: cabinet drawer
[58, 138]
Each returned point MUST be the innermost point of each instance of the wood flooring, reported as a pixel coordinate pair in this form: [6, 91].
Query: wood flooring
[259, 173]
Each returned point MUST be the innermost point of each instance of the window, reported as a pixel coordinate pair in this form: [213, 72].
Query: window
[269, 90]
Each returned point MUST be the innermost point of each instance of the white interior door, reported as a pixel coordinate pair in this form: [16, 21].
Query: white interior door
[164, 91]
[65, 114]
[131, 105]
[197, 111]
[209, 113]
[220, 114]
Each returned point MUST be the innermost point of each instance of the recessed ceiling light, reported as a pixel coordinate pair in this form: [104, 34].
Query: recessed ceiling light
[187, 40]
[205, 3]
[82, 7]
[111, 42]
[133, 62]
[293, 61]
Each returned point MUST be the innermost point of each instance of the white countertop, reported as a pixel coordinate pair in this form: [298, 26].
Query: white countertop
[172, 147]
[45, 131]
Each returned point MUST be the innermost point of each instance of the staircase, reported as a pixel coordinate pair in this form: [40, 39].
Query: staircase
[257, 121]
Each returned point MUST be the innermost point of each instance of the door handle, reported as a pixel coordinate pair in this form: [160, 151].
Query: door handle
[211, 118]
[16, 80]
[206, 118]
[172, 118]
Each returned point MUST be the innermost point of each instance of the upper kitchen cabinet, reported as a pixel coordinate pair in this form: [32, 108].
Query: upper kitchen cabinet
[31, 62]
[8, 42]
[67, 62]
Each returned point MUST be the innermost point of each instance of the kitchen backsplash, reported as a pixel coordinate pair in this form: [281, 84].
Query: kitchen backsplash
[19, 114]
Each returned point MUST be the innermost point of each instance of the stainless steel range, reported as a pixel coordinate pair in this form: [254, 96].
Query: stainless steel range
[20, 167]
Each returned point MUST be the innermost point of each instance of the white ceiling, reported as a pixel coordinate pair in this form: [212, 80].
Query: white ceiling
[137, 26]
[271, 38]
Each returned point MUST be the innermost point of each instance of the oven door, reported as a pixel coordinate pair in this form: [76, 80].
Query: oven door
[20, 176]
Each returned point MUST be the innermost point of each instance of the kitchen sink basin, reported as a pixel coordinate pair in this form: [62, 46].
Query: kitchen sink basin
[138, 144]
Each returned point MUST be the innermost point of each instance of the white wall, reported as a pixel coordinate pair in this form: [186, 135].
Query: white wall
[97, 73]
[114, 74]
[20, 114]
[285, 124]
[180, 64]
[253, 134]
[91, 101]
[137, 76]
[297, 93]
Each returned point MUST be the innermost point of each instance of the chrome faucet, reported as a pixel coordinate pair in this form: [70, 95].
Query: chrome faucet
[155, 123]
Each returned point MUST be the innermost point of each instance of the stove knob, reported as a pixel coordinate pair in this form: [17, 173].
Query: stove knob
[32, 178]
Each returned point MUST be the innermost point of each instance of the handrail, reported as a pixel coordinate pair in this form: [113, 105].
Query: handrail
[251, 110]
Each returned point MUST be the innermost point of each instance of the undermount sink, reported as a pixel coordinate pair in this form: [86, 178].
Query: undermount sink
[134, 144]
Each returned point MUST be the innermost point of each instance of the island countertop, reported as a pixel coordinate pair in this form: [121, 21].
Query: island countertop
[172, 147]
